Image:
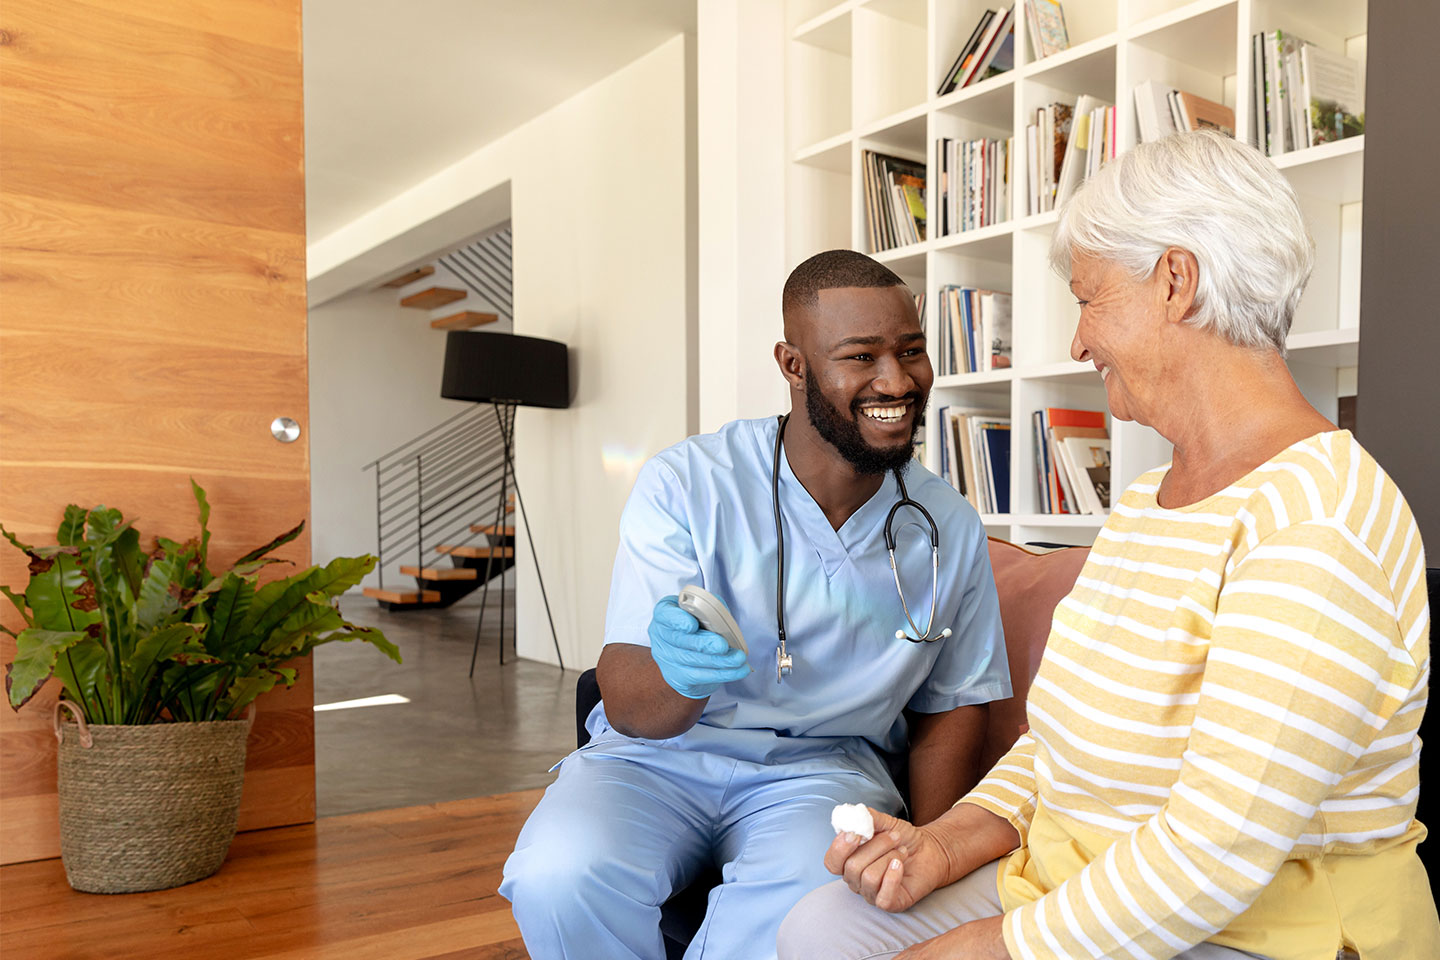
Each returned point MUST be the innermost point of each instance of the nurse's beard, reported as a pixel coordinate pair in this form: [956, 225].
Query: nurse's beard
[844, 435]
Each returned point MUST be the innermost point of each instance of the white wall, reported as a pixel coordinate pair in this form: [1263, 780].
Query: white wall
[599, 201]
[742, 169]
[375, 371]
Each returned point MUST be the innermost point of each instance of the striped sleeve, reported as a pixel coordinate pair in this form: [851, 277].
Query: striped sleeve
[1008, 790]
[1306, 665]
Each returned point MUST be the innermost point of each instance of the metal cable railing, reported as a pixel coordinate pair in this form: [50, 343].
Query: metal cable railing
[430, 490]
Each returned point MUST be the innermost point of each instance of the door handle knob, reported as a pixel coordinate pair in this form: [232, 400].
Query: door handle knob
[284, 429]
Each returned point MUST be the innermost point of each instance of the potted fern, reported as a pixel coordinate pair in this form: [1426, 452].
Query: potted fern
[160, 659]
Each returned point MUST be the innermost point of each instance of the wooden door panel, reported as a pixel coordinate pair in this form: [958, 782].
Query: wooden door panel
[152, 317]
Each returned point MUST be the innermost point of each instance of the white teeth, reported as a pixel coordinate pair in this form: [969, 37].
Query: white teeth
[886, 414]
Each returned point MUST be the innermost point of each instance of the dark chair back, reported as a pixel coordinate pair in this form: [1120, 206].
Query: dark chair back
[1427, 807]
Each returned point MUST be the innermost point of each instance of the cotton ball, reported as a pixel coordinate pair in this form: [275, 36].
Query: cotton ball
[853, 818]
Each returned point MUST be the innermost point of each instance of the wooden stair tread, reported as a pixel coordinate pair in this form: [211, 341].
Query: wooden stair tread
[440, 573]
[403, 596]
[493, 530]
[404, 280]
[464, 319]
[434, 297]
[475, 553]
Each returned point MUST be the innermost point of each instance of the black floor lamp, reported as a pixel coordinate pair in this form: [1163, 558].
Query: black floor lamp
[507, 371]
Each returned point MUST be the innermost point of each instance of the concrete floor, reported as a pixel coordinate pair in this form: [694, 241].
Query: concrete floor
[457, 737]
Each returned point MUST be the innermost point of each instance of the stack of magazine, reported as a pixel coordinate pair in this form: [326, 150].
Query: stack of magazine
[1302, 95]
[1067, 144]
[894, 201]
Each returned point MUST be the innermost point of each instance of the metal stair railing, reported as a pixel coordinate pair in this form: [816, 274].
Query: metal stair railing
[430, 489]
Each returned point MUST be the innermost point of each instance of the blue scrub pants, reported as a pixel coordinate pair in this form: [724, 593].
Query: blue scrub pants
[628, 823]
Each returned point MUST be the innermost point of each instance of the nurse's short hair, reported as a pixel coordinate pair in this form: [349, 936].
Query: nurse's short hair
[831, 269]
[1215, 197]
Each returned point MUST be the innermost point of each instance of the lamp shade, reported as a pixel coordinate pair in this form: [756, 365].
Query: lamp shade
[504, 368]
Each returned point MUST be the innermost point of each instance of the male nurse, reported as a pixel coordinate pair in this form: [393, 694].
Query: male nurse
[699, 754]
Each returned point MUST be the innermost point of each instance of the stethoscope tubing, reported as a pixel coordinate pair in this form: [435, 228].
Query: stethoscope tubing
[784, 661]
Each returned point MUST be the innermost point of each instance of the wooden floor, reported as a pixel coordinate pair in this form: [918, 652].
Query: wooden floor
[417, 883]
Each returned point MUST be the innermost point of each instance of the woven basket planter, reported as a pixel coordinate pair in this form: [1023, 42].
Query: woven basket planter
[147, 807]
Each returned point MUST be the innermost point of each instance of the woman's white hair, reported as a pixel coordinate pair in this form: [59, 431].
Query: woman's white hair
[1220, 200]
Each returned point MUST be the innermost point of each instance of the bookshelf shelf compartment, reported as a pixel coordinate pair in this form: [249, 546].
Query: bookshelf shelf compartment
[1202, 35]
[1087, 68]
[832, 154]
[907, 260]
[986, 243]
[1066, 371]
[1331, 172]
[901, 131]
[1096, 520]
[989, 102]
[1329, 348]
[988, 379]
[828, 31]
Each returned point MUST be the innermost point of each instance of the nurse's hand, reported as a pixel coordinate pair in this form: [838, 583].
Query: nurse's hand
[694, 662]
[897, 867]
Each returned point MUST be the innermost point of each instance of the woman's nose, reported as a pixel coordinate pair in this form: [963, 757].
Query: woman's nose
[1077, 349]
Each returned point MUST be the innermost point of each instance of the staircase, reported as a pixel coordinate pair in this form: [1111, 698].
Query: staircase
[471, 288]
[440, 504]
[441, 510]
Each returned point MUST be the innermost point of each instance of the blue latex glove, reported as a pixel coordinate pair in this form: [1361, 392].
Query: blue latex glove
[694, 662]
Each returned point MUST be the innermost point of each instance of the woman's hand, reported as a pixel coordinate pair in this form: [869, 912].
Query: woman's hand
[894, 869]
[976, 940]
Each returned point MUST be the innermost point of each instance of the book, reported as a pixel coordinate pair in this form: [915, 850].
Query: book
[1332, 96]
[1000, 27]
[1058, 418]
[996, 330]
[1197, 113]
[997, 446]
[1077, 146]
[974, 183]
[1047, 27]
[1089, 461]
[1152, 111]
[967, 53]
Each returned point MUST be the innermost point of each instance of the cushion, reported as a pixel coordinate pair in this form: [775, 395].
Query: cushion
[1030, 585]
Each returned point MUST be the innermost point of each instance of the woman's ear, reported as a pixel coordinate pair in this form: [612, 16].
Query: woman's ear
[791, 363]
[1182, 275]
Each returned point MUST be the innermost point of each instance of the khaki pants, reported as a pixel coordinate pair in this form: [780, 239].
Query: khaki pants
[832, 923]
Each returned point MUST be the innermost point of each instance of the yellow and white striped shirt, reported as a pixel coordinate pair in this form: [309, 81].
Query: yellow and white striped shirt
[1222, 737]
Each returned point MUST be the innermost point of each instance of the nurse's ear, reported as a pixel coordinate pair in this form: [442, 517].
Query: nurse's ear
[791, 362]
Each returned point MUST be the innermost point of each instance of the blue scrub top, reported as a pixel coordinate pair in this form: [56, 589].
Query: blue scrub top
[701, 512]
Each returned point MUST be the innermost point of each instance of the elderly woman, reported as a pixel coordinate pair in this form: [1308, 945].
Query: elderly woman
[1222, 757]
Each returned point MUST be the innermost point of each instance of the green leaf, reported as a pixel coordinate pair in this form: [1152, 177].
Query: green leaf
[18, 599]
[276, 601]
[232, 601]
[72, 528]
[279, 541]
[55, 591]
[368, 634]
[204, 554]
[158, 600]
[35, 653]
[315, 617]
[83, 669]
[22, 547]
[244, 690]
[156, 647]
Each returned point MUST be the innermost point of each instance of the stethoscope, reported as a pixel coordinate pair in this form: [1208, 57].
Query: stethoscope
[784, 662]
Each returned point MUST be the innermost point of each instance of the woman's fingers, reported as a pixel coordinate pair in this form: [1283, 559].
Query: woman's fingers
[870, 852]
[892, 896]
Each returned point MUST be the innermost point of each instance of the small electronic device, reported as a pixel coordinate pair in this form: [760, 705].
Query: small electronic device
[703, 606]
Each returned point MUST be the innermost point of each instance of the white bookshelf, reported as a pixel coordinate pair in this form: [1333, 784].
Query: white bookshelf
[861, 74]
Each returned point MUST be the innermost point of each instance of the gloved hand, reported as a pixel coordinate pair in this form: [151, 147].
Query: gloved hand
[694, 662]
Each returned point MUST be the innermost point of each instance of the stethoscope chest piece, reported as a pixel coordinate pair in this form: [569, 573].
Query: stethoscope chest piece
[784, 663]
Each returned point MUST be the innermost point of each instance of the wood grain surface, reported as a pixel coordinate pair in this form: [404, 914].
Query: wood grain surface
[417, 883]
[152, 235]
